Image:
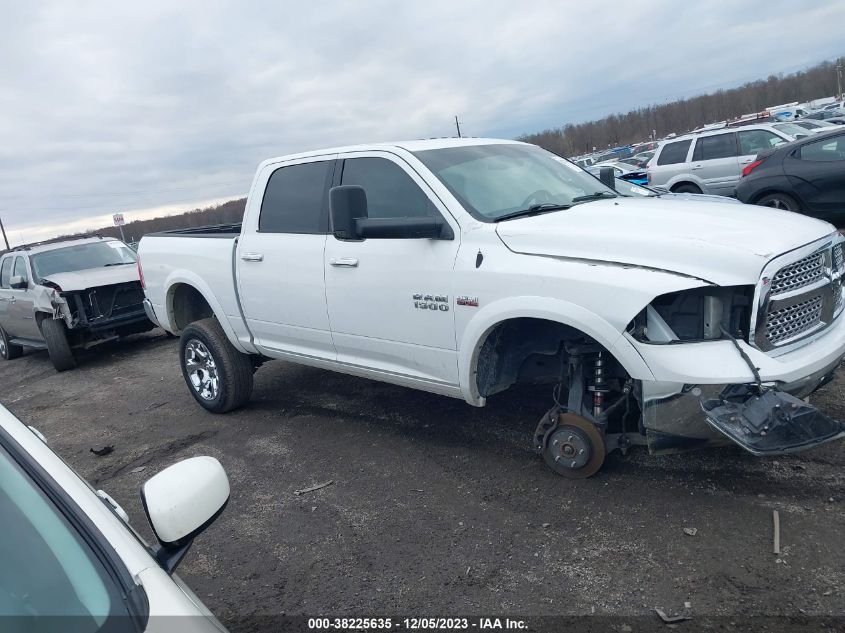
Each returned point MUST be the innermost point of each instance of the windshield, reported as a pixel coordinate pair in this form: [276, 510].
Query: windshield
[493, 181]
[82, 257]
[47, 569]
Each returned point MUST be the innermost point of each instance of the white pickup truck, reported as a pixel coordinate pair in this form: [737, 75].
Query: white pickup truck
[466, 266]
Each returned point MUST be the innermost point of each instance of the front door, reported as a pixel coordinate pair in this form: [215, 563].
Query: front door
[391, 302]
[22, 303]
[280, 259]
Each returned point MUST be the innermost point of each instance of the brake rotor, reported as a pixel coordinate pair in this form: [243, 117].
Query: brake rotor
[575, 448]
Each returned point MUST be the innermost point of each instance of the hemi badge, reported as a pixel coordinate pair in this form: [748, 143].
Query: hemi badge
[468, 301]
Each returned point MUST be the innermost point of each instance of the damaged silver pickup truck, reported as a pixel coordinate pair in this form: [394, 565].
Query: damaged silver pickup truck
[69, 294]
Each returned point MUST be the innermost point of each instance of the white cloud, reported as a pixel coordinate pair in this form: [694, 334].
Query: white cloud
[136, 106]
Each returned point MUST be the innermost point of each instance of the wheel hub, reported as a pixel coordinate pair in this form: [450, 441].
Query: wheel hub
[201, 370]
[575, 447]
[2, 345]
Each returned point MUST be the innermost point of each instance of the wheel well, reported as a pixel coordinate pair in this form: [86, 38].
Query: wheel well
[684, 183]
[187, 305]
[530, 350]
[769, 192]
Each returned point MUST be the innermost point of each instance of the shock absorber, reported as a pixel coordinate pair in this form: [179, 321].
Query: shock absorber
[599, 386]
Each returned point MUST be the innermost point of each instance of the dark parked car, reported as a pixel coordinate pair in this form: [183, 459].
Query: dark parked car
[824, 115]
[807, 176]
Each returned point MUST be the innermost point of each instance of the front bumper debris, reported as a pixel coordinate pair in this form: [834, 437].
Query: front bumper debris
[675, 418]
[771, 423]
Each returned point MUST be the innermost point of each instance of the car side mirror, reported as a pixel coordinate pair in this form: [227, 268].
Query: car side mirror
[18, 283]
[607, 177]
[346, 204]
[181, 502]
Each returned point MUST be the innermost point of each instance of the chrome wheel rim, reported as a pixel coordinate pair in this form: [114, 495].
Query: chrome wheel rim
[2, 345]
[201, 370]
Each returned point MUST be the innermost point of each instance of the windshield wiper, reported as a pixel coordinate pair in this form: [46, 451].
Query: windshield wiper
[118, 264]
[593, 196]
[534, 209]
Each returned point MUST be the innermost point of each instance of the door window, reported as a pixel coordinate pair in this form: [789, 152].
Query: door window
[674, 153]
[716, 146]
[48, 569]
[20, 269]
[5, 272]
[756, 141]
[295, 199]
[826, 150]
[391, 193]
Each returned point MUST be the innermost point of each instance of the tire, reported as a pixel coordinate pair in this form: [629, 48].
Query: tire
[780, 201]
[8, 350]
[686, 188]
[218, 376]
[55, 334]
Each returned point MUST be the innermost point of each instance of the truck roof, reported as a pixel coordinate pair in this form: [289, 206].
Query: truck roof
[411, 146]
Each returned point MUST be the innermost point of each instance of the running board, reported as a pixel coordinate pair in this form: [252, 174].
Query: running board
[769, 423]
[25, 342]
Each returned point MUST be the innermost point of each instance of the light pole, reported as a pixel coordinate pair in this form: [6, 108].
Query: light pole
[5, 239]
[839, 77]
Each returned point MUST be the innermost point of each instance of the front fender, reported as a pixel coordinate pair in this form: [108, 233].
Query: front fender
[549, 309]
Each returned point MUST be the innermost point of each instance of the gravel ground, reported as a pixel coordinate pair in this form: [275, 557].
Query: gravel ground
[437, 508]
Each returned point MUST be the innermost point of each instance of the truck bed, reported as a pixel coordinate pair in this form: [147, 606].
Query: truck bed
[226, 231]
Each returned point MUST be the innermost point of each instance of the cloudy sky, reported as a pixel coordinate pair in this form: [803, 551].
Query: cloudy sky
[158, 106]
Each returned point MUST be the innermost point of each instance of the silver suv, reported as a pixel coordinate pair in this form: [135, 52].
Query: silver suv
[69, 294]
[711, 161]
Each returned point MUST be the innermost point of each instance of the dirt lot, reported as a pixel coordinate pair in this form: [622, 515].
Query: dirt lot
[438, 508]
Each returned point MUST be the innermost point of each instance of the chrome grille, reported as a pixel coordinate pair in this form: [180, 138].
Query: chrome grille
[837, 257]
[802, 273]
[787, 323]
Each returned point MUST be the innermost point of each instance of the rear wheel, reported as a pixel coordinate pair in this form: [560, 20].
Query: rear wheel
[780, 201]
[686, 188]
[218, 376]
[8, 350]
[55, 335]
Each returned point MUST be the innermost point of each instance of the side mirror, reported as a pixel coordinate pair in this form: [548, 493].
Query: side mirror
[180, 502]
[18, 283]
[607, 177]
[346, 204]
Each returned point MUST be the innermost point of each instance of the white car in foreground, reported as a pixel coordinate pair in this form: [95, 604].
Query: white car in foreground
[70, 560]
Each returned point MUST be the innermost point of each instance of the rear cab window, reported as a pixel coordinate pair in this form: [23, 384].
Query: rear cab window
[296, 199]
[674, 153]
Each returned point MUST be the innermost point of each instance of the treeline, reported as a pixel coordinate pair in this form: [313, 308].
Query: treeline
[688, 114]
[226, 213]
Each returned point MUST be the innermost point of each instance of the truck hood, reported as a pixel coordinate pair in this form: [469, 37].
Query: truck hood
[725, 244]
[94, 277]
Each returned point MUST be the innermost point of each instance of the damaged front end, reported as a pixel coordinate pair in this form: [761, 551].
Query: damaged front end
[768, 418]
[94, 315]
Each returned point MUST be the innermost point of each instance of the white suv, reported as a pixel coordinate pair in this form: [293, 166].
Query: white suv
[711, 161]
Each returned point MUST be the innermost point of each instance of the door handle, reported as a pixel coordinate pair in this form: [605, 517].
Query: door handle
[348, 262]
[695, 167]
[252, 257]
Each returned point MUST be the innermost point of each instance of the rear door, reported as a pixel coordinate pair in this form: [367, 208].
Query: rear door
[817, 171]
[280, 258]
[671, 161]
[714, 161]
[22, 302]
